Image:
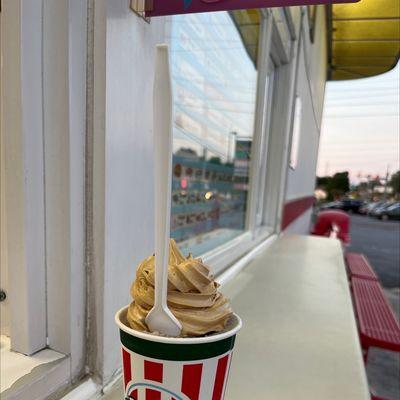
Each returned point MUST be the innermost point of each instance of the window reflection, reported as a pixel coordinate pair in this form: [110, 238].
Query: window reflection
[214, 101]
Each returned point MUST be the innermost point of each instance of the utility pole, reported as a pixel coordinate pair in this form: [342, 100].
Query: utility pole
[203, 174]
[386, 182]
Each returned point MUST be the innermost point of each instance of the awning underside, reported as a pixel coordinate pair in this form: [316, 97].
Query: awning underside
[365, 38]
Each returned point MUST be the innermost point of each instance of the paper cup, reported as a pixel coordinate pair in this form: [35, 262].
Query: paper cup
[165, 368]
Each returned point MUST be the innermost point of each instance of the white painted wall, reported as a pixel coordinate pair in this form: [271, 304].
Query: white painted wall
[64, 111]
[310, 88]
[124, 48]
[300, 225]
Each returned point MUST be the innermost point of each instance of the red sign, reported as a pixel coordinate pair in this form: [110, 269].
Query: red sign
[156, 8]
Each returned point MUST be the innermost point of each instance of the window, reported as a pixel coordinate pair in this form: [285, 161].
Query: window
[261, 185]
[294, 152]
[42, 167]
[215, 83]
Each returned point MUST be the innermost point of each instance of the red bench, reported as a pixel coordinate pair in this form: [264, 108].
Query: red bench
[378, 325]
[359, 267]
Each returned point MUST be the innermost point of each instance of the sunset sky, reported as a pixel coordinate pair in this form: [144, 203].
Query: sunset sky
[360, 129]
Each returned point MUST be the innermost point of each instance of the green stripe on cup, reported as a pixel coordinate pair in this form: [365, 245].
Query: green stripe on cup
[176, 352]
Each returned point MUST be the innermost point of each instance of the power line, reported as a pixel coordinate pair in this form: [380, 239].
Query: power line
[363, 90]
[362, 105]
[347, 98]
[360, 115]
[347, 153]
[375, 142]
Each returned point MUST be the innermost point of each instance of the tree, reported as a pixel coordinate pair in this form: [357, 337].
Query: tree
[336, 185]
[340, 183]
[323, 181]
[395, 182]
[215, 160]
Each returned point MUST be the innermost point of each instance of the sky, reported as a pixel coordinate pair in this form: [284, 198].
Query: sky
[360, 127]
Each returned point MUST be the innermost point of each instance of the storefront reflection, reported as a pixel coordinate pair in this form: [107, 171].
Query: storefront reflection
[214, 101]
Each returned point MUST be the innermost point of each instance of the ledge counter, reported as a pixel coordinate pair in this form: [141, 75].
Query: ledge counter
[299, 338]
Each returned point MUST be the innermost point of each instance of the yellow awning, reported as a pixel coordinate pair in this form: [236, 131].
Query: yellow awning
[365, 38]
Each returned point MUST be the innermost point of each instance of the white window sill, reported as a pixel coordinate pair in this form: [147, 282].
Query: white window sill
[224, 257]
[22, 376]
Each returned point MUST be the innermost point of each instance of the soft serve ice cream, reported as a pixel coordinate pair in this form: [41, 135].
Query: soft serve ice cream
[193, 295]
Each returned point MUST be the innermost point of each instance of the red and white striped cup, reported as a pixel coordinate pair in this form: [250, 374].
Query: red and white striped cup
[165, 368]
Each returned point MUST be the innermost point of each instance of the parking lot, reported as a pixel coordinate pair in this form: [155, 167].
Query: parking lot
[380, 242]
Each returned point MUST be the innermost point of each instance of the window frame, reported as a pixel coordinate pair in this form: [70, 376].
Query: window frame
[269, 95]
[312, 12]
[45, 100]
[260, 134]
[22, 129]
[296, 132]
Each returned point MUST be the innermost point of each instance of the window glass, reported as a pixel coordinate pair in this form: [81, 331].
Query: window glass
[294, 152]
[214, 82]
[261, 185]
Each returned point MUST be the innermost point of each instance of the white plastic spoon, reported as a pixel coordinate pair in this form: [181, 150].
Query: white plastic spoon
[160, 318]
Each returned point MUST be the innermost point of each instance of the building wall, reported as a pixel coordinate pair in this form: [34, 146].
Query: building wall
[300, 225]
[310, 88]
[124, 48]
[123, 155]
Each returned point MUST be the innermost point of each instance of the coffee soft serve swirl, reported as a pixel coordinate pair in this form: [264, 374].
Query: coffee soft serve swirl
[193, 295]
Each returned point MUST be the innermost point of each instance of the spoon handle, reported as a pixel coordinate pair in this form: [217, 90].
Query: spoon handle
[162, 168]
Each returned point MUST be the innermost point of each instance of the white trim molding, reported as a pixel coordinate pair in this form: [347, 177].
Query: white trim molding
[44, 122]
[22, 127]
[64, 99]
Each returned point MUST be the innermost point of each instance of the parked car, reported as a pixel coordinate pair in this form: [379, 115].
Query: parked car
[367, 208]
[390, 212]
[332, 205]
[376, 211]
[351, 205]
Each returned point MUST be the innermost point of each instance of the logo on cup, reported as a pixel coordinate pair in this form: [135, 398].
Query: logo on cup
[132, 391]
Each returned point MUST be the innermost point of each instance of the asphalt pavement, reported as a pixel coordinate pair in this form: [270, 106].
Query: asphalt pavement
[380, 242]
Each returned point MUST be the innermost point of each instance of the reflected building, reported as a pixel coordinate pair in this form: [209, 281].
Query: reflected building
[208, 194]
[214, 83]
